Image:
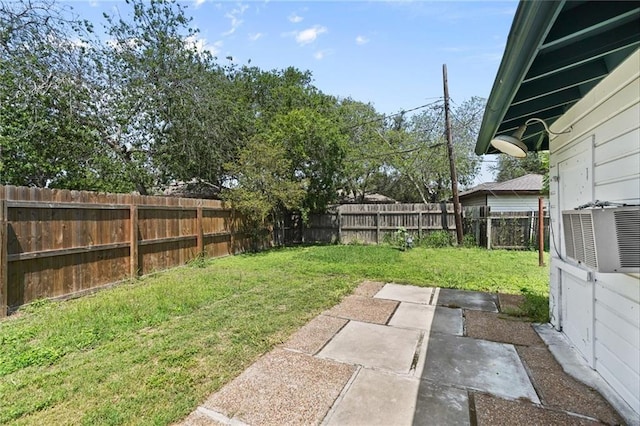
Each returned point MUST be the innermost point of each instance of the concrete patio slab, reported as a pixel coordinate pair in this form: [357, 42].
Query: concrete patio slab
[405, 293]
[466, 299]
[376, 398]
[364, 309]
[575, 366]
[441, 405]
[410, 372]
[490, 326]
[368, 288]
[477, 364]
[510, 303]
[313, 336]
[282, 387]
[374, 346]
[199, 418]
[559, 390]
[492, 411]
[429, 318]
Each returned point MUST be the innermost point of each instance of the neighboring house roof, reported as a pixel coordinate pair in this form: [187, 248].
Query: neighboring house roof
[371, 198]
[557, 51]
[527, 184]
[192, 189]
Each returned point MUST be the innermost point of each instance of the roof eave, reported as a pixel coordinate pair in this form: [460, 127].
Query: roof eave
[531, 24]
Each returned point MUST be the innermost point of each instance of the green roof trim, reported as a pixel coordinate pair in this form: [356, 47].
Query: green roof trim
[530, 26]
[556, 52]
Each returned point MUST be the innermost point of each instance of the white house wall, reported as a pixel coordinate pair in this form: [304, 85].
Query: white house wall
[513, 203]
[474, 201]
[599, 160]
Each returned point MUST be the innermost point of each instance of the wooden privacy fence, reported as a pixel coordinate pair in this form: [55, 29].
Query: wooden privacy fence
[367, 223]
[57, 242]
[505, 230]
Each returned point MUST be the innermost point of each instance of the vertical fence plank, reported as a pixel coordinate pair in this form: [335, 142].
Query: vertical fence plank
[488, 232]
[200, 231]
[378, 227]
[4, 262]
[133, 238]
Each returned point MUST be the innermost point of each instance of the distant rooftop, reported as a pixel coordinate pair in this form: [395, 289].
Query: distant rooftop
[530, 183]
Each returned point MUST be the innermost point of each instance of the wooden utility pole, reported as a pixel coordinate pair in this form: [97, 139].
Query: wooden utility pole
[452, 165]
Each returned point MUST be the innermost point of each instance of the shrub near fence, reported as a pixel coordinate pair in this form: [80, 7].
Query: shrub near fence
[368, 223]
[58, 243]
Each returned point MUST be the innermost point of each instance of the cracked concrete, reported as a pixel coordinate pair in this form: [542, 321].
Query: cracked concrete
[396, 354]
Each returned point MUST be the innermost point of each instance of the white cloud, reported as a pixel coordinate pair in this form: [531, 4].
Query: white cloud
[295, 18]
[255, 36]
[234, 17]
[309, 35]
[198, 3]
[201, 45]
[119, 46]
[360, 40]
[321, 54]
[215, 48]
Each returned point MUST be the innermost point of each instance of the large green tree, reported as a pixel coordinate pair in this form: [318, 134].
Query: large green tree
[365, 151]
[172, 113]
[48, 134]
[417, 152]
[508, 167]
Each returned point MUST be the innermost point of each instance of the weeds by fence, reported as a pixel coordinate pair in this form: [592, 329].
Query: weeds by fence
[367, 223]
[377, 223]
[58, 242]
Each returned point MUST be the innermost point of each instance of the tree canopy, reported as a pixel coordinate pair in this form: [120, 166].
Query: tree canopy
[144, 106]
[508, 167]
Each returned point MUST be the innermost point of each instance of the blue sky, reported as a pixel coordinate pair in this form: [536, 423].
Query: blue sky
[389, 53]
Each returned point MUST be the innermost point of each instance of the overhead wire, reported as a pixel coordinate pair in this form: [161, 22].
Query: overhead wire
[404, 111]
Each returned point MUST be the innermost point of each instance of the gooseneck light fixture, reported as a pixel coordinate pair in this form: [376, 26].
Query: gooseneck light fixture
[512, 145]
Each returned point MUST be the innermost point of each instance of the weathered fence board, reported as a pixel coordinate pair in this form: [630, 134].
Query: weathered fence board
[57, 242]
[368, 223]
[505, 230]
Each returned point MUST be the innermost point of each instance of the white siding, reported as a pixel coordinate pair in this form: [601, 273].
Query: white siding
[599, 160]
[474, 201]
[513, 203]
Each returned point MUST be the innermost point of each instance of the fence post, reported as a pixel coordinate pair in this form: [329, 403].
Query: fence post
[476, 224]
[541, 231]
[199, 230]
[420, 225]
[4, 261]
[444, 217]
[531, 229]
[339, 226]
[133, 252]
[378, 227]
[232, 230]
[488, 232]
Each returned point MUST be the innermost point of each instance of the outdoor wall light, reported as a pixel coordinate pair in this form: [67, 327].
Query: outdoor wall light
[513, 145]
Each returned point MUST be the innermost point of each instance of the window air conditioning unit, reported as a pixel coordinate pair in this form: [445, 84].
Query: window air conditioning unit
[604, 239]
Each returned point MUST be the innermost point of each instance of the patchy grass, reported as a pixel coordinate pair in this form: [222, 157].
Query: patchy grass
[150, 351]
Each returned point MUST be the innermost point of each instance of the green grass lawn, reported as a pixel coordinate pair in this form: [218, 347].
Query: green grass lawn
[150, 351]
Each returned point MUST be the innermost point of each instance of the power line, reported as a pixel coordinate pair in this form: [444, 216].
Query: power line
[401, 151]
[384, 117]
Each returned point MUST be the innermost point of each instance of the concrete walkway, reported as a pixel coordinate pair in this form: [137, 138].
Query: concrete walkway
[402, 355]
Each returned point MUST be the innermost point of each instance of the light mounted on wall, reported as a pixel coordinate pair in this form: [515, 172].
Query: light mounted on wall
[512, 144]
